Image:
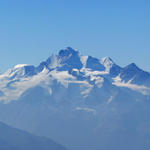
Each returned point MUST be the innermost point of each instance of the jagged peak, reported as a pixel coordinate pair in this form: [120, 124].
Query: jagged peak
[67, 58]
[107, 60]
[67, 51]
[132, 66]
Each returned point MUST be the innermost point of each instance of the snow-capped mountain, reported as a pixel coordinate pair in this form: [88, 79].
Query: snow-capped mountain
[76, 100]
[69, 67]
[135, 75]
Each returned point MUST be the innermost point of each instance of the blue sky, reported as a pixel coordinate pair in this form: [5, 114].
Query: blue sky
[31, 30]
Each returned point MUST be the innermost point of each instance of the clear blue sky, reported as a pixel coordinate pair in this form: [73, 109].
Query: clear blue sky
[31, 30]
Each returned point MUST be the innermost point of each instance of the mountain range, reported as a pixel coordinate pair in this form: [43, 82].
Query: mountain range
[80, 101]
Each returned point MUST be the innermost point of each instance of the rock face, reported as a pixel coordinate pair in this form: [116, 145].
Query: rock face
[80, 101]
[14, 139]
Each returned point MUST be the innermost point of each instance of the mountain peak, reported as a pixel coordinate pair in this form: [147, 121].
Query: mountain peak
[67, 51]
[107, 62]
[21, 65]
[132, 66]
